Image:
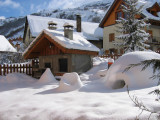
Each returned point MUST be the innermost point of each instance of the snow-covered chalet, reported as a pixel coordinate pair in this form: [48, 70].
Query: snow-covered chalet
[61, 50]
[6, 47]
[151, 10]
[6, 50]
[90, 31]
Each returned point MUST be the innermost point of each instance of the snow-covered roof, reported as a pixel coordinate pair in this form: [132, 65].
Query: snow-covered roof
[78, 42]
[148, 4]
[38, 23]
[5, 46]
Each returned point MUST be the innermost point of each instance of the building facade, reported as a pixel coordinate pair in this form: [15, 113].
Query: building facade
[150, 10]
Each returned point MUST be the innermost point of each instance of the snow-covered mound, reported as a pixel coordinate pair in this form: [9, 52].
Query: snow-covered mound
[98, 70]
[47, 77]
[69, 82]
[134, 78]
[16, 78]
[102, 73]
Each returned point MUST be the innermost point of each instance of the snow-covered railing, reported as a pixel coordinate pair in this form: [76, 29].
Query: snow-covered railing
[115, 57]
[154, 40]
[21, 68]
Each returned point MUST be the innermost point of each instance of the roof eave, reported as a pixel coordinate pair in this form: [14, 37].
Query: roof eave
[107, 14]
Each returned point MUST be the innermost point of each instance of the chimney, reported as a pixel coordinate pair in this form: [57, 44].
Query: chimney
[79, 23]
[68, 31]
[52, 25]
[18, 46]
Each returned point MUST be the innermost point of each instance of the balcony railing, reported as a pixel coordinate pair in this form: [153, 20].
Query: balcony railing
[153, 40]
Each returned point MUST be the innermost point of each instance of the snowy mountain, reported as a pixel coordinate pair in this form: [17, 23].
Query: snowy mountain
[12, 27]
[91, 12]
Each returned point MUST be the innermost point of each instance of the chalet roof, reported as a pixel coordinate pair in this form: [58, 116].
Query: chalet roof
[5, 46]
[89, 30]
[147, 4]
[78, 42]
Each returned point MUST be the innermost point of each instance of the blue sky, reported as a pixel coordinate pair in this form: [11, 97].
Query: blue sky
[15, 8]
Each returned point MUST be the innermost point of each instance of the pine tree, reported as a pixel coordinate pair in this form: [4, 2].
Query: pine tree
[155, 63]
[133, 34]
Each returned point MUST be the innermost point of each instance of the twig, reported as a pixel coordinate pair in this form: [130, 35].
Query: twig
[140, 105]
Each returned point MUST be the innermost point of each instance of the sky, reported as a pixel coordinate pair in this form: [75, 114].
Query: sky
[16, 8]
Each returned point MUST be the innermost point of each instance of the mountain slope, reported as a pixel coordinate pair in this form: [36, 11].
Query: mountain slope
[93, 12]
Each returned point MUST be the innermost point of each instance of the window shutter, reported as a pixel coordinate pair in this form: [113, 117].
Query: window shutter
[111, 37]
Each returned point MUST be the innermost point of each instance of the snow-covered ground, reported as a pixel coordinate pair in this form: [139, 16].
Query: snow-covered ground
[85, 97]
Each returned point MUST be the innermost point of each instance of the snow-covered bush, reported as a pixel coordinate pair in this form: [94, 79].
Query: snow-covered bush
[9, 58]
[134, 78]
[69, 82]
[47, 77]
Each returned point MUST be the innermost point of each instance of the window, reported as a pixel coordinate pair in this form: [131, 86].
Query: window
[125, 15]
[47, 65]
[150, 32]
[111, 37]
[119, 15]
[112, 51]
[63, 65]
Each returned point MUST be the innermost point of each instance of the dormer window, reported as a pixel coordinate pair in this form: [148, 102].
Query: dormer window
[119, 15]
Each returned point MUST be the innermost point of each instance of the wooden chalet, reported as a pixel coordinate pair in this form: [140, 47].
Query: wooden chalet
[35, 24]
[59, 53]
[151, 10]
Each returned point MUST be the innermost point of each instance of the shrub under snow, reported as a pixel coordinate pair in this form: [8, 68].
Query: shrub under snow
[47, 77]
[134, 78]
[69, 82]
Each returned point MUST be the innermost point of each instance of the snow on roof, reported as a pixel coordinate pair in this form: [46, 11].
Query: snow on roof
[78, 42]
[38, 23]
[147, 4]
[5, 46]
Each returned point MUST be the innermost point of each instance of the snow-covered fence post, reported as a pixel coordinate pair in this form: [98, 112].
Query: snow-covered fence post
[20, 68]
[23, 68]
[10, 68]
[27, 69]
[4, 69]
[0, 70]
[30, 70]
[14, 68]
[17, 67]
[110, 62]
[7, 69]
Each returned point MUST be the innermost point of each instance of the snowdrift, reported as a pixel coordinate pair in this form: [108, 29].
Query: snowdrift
[16, 78]
[134, 78]
[69, 82]
[47, 77]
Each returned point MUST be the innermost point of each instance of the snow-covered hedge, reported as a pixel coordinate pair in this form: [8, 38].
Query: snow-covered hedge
[134, 78]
